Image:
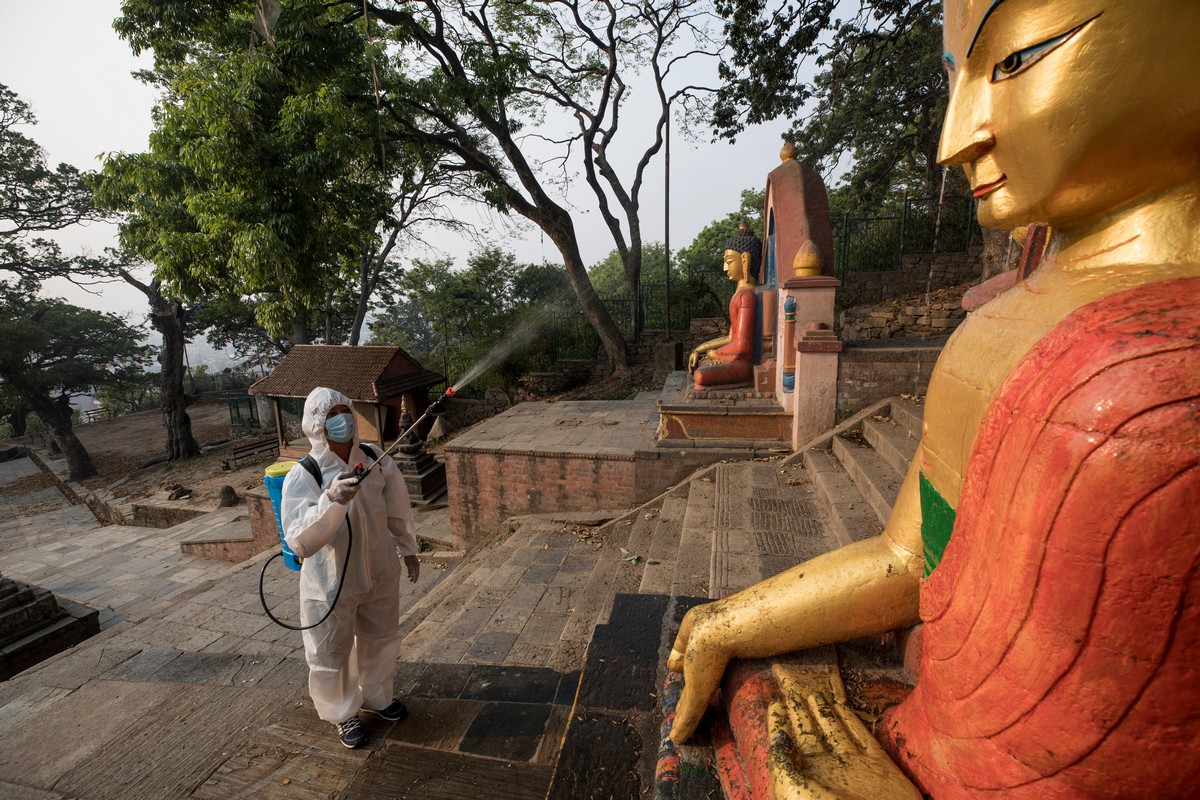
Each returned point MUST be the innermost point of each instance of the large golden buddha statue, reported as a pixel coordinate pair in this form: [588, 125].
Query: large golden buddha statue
[1048, 531]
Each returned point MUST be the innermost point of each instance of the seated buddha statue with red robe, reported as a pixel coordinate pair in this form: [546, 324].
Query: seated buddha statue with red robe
[727, 362]
[1047, 534]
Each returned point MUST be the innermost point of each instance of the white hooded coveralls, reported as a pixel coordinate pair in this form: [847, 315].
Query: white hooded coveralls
[351, 655]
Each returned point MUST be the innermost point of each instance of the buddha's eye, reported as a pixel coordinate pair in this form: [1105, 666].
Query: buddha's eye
[1010, 64]
[1015, 63]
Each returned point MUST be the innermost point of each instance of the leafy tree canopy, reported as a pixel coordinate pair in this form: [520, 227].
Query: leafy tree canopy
[876, 106]
[449, 319]
[53, 351]
[34, 200]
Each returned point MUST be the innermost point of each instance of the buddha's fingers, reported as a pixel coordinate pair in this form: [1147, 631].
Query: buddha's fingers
[857, 730]
[699, 652]
[833, 729]
[701, 677]
[679, 648]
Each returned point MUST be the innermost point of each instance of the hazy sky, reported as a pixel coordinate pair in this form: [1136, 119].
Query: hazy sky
[64, 58]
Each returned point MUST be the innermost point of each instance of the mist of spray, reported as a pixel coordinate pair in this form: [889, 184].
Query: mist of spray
[525, 334]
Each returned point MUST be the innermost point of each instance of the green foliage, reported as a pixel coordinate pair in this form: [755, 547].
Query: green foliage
[608, 275]
[131, 390]
[55, 350]
[34, 200]
[876, 106]
[450, 319]
[263, 175]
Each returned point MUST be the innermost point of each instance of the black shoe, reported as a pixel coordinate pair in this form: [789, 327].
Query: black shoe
[351, 732]
[393, 713]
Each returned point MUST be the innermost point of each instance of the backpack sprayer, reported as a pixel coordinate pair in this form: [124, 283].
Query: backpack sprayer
[359, 472]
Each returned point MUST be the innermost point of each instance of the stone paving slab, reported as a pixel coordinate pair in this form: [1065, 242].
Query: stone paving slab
[495, 646]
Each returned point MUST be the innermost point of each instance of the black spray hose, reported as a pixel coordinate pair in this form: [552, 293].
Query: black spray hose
[360, 472]
[341, 582]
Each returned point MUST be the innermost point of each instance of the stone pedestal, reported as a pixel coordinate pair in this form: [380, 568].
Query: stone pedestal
[815, 397]
[424, 475]
[805, 301]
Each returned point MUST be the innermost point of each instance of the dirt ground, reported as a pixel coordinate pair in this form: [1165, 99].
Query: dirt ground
[118, 446]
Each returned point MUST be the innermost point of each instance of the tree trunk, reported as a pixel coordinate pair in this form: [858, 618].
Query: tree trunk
[562, 233]
[996, 251]
[18, 420]
[169, 319]
[180, 442]
[56, 414]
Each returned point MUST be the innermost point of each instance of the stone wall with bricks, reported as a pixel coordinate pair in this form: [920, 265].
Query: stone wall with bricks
[905, 318]
[916, 273]
[867, 375]
[490, 487]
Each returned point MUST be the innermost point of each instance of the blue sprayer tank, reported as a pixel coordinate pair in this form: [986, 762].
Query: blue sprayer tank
[274, 483]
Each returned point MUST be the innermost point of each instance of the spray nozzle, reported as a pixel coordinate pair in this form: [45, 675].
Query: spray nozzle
[451, 392]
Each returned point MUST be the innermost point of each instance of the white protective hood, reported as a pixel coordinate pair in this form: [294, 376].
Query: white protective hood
[316, 409]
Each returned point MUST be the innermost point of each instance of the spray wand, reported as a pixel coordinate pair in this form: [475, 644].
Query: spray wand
[361, 472]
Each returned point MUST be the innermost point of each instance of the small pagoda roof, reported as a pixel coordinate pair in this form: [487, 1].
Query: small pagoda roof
[369, 373]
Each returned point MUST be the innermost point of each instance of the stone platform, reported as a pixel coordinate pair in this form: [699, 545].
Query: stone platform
[545, 457]
[729, 418]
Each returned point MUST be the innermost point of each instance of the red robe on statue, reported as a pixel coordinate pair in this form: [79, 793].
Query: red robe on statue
[1062, 627]
[734, 363]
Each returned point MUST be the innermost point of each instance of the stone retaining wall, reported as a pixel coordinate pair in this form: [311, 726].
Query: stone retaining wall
[889, 320]
[867, 375]
[488, 487]
[949, 269]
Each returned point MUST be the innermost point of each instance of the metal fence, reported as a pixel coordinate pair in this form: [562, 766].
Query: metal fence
[921, 225]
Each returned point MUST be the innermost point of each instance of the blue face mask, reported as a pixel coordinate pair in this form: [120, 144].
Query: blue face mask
[340, 428]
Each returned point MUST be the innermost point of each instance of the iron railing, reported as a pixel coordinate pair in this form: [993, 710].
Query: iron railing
[921, 225]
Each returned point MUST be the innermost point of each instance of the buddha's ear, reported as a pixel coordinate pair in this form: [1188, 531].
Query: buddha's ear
[745, 264]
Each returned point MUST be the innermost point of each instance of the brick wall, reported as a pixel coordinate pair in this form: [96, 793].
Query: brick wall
[869, 374]
[487, 487]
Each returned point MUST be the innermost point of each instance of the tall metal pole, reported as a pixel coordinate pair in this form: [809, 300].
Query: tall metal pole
[667, 218]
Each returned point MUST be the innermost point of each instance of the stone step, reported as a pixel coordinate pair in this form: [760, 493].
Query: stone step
[637, 540]
[694, 564]
[892, 442]
[664, 546]
[878, 482]
[76, 623]
[612, 731]
[592, 604]
[18, 621]
[13, 594]
[453, 588]
[908, 415]
[848, 513]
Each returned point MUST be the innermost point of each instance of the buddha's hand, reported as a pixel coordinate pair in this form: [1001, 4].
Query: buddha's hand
[820, 750]
[700, 653]
[693, 360]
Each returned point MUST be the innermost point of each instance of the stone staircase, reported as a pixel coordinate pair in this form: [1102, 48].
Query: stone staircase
[858, 467]
[595, 598]
[34, 625]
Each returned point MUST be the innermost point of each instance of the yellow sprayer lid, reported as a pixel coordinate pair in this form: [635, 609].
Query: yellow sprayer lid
[280, 468]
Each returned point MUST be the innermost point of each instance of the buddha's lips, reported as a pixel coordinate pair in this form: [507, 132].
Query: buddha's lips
[988, 188]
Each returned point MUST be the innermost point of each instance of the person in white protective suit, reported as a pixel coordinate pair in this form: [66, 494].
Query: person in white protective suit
[351, 655]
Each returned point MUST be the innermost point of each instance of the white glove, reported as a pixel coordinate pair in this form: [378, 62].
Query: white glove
[343, 488]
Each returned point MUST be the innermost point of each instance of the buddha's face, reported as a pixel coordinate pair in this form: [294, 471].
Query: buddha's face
[736, 264]
[1064, 111]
